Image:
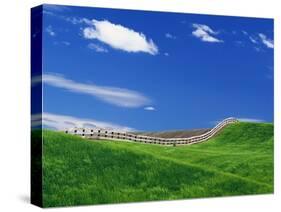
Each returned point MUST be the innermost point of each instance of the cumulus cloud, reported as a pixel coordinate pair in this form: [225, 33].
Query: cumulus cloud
[50, 31]
[97, 48]
[250, 120]
[120, 37]
[266, 41]
[62, 122]
[150, 108]
[170, 36]
[113, 95]
[205, 33]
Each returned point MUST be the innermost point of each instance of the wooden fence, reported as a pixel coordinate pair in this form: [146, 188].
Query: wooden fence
[124, 136]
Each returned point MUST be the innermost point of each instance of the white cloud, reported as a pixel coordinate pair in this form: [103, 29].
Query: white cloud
[76, 20]
[62, 122]
[250, 120]
[253, 40]
[50, 31]
[120, 37]
[117, 96]
[53, 11]
[97, 48]
[168, 35]
[244, 32]
[166, 54]
[150, 108]
[64, 43]
[205, 33]
[266, 41]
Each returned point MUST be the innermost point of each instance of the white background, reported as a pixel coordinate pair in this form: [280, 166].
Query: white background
[15, 102]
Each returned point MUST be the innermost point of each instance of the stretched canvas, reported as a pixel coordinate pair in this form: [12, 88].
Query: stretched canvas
[131, 106]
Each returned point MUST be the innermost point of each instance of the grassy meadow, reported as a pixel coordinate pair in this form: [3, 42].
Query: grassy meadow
[77, 171]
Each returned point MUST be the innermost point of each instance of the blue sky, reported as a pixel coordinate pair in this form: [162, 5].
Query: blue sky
[154, 71]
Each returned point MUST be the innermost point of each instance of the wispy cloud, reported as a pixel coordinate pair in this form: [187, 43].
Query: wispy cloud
[120, 37]
[258, 40]
[257, 49]
[113, 95]
[166, 54]
[250, 120]
[266, 41]
[205, 33]
[170, 36]
[76, 20]
[244, 32]
[245, 119]
[50, 31]
[239, 43]
[97, 48]
[62, 122]
[253, 40]
[66, 43]
[150, 108]
[54, 10]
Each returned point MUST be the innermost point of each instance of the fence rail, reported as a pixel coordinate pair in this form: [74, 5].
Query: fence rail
[124, 136]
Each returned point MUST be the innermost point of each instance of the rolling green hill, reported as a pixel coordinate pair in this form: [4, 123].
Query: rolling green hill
[77, 171]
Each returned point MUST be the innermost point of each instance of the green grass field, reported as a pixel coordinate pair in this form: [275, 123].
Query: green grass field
[77, 171]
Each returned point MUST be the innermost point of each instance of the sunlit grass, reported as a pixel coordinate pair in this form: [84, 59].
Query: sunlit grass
[78, 171]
